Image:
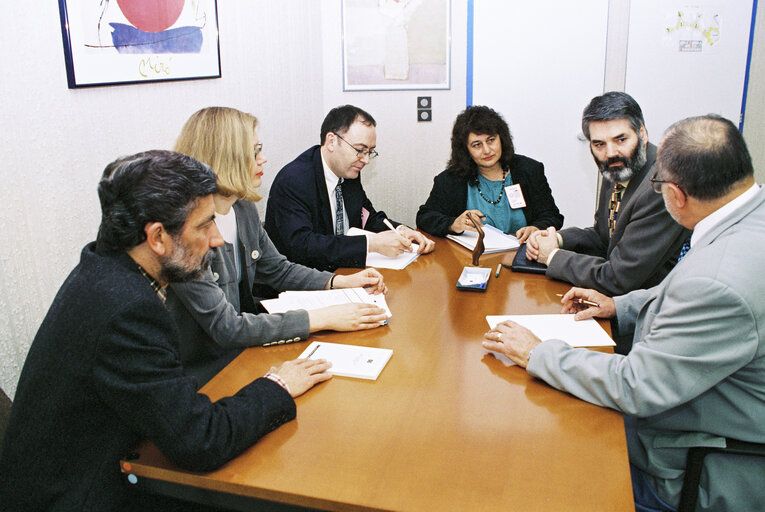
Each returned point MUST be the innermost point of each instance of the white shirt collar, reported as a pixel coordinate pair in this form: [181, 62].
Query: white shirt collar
[713, 219]
[329, 176]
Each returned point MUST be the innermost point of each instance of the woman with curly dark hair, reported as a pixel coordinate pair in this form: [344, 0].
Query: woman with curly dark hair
[482, 170]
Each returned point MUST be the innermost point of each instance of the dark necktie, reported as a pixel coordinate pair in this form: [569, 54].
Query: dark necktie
[339, 229]
[613, 207]
[684, 249]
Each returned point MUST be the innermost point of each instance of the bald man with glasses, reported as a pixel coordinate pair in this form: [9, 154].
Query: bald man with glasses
[316, 198]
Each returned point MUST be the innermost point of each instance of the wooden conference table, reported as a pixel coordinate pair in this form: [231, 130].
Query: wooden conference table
[446, 426]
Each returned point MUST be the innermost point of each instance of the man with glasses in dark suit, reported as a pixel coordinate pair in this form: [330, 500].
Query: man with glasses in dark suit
[315, 199]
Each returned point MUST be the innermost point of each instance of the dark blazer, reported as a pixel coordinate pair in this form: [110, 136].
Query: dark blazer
[102, 374]
[448, 198]
[642, 250]
[299, 219]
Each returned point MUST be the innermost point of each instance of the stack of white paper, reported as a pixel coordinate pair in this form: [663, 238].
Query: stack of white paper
[315, 299]
[349, 360]
[584, 333]
[375, 259]
[494, 240]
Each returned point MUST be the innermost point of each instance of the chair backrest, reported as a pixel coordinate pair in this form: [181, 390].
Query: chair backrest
[5, 413]
[695, 464]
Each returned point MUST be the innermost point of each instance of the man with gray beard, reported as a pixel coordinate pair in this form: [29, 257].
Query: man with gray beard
[634, 242]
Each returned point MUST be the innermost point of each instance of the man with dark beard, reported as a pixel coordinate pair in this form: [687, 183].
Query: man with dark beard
[103, 372]
[634, 242]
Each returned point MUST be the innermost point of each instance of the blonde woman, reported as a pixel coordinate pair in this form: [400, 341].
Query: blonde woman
[216, 315]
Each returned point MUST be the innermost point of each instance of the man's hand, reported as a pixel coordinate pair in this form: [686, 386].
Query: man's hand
[525, 232]
[300, 375]
[388, 243]
[462, 222]
[346, 317]
[541, 243]
[369, 278]
[426, 245]
[513, 340]
[588, 304]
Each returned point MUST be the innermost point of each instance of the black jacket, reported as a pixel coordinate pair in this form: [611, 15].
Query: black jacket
[102, 374]
[448, 198]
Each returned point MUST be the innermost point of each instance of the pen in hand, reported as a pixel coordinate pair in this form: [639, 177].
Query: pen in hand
[581, 301]
[401, 237]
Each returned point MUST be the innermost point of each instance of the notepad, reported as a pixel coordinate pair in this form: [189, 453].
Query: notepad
[584, 333]
[494, 240]
[375, 259]
[349, 360]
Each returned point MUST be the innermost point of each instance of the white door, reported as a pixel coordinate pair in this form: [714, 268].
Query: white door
[539, 64]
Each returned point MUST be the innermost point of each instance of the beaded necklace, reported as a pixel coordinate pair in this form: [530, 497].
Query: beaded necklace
[501, 189]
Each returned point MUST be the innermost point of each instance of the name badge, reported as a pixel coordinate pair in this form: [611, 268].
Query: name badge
[515, 196]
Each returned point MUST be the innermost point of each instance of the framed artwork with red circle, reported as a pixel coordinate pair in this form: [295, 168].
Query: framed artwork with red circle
[131, 41]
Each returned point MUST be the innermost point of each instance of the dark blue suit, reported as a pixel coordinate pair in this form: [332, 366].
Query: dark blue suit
[299, 219]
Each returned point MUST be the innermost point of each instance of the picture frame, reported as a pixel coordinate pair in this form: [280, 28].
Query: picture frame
[129, 41]
[396, 44]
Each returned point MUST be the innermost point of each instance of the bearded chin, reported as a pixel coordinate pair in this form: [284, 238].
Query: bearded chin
[634, 163]
[175, 271]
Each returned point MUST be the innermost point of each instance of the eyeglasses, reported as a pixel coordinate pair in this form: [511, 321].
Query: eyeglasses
[360, 153]
[258, 149]
[656, 183]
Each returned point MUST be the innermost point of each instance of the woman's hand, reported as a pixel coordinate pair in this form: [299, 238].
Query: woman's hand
[523, 233]
[346, 317]
[368, 278]
[462, 222]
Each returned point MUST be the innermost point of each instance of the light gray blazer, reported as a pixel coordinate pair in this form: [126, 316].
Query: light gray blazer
[696, 372]
[642, 250]
[213, 327]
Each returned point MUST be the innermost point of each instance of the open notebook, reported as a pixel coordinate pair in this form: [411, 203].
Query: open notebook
[494, 240]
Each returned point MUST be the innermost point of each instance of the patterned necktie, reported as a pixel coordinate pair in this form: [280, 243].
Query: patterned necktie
[684, 249]
[613, 207]
[339, 229]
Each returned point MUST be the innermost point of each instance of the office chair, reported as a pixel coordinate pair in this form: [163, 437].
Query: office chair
[695, 463]
[5, 414]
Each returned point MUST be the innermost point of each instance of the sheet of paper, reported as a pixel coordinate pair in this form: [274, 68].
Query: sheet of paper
[315, 299]
[585, 333]
[349, 360]
[375, 259]
[494, 240]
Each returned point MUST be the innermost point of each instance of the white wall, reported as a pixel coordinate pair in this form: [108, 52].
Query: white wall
[56, 141]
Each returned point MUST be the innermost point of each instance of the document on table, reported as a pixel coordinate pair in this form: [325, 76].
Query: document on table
[349, 360]
[494, 240]
[315, 299]
[584, 333]
[375, 259]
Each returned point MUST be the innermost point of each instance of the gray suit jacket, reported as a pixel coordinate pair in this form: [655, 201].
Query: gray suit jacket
[214, 324]
[641, 252]
[696, 372]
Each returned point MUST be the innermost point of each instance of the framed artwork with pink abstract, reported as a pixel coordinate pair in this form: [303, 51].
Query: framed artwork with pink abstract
[109, 42]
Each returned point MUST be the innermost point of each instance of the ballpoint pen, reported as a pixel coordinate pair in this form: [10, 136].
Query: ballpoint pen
[584, 302]
[499, 267]
[312, 351]
[390, 226]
